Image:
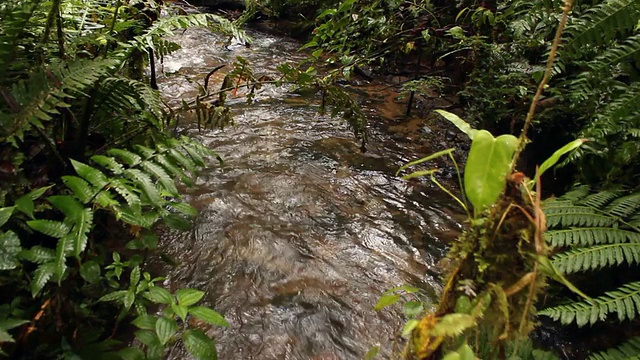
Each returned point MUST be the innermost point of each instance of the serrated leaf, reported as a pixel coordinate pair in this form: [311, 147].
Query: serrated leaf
[386, 300]
[5, 337]
[165, 329]
[146, 322]
[90, 271]
[9, 324]
[41, 276]
[208, 315]
[453, 325]
[67, 204]
[159, 295]
[81, 189]
[162, 176]
[145, 183]
[5, 214]
[187, 297]
[65, 243]
[91, 174]
[51, 228]
[38, 254]
[9, 249]
[184, 208]
[109, 163]
[199, 345]
[127, 156]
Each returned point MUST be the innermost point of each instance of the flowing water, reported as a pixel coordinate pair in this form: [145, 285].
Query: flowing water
[299, 232]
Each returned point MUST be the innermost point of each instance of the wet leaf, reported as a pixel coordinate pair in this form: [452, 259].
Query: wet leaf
[208, 315]
[487, 167]
[90, 272]
[386, 300]
[165, 329]
[458, 122]
[199, 345]
[188, 297]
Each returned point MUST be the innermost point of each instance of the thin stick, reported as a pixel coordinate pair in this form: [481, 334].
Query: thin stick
[543, 83]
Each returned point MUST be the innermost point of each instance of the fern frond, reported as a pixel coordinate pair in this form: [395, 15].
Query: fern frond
[119, 94]
[624, 206]
[597, 256]
[581, 219]
[590, 236]
[624, 301]
[601, 23]
[599, 200]
[628, 49]
[630, 349]
[624, 105]
[47, 90]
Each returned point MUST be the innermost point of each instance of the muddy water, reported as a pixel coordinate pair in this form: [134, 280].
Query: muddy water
[299, 232]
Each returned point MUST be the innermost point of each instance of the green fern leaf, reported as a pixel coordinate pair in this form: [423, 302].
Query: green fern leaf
[590, 236]
[84, 223]
[568, 208]
[9, 249]
[172, 169]
[622, 106]
[627, 50]
[63, 248]
[601, 23]
[599, 199]
[182, 160]
[146, 184]
[41, 276]
[624, 206]
[51, 228]
[91, 174]
[128, 157]
[109, 163]
[584, 219]
[124, 189]
[625, 302]
[38, 255]
[597, 256]
[630, 349]
[81, 189]
[158, 172]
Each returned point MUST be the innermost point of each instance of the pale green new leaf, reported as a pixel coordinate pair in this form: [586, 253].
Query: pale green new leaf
[458, 122]
[488, 165]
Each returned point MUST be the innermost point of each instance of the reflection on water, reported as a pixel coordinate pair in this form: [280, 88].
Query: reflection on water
[299, 232]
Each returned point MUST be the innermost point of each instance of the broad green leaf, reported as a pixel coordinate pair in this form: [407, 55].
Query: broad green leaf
[165, 329]
[408, 327]
[128, 299]
[199, 345]
[81, 189]
[386, 300]
[130, 353]
[9, 324]
[488, 165]
[187, 297]
[412, 308]
[5, 214]
[90, 271]
[553, 159]
[9, 249]
[159, 295]
[145, 322]
[52, 228]
[408, 289]
[425, 159]
[37, 193]
[43, 273]
[147, 337]
[25, 205]
[134, 277]
[180, 310]
[459, 123]
[5, 337]
[184, 208]
[453, 325]
[208, 315]
[547, 268]
[177, 222]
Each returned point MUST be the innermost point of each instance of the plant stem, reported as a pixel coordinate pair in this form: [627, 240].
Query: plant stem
[543, 83]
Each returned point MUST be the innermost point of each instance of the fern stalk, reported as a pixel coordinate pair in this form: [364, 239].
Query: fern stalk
[543, 83]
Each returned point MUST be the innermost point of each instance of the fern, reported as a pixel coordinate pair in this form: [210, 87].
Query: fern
[597, 256]
[630, 349]
[624, 301]
[601, 24]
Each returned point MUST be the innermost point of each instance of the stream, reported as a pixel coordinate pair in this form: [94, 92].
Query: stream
[299, 232]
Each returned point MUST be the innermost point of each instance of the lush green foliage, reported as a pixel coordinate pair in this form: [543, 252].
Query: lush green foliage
[89, 171]
[595, 230]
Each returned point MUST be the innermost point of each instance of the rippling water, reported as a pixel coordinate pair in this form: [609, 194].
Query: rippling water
[299, 232]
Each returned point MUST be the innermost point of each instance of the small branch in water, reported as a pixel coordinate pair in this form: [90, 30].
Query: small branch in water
[206, 79]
